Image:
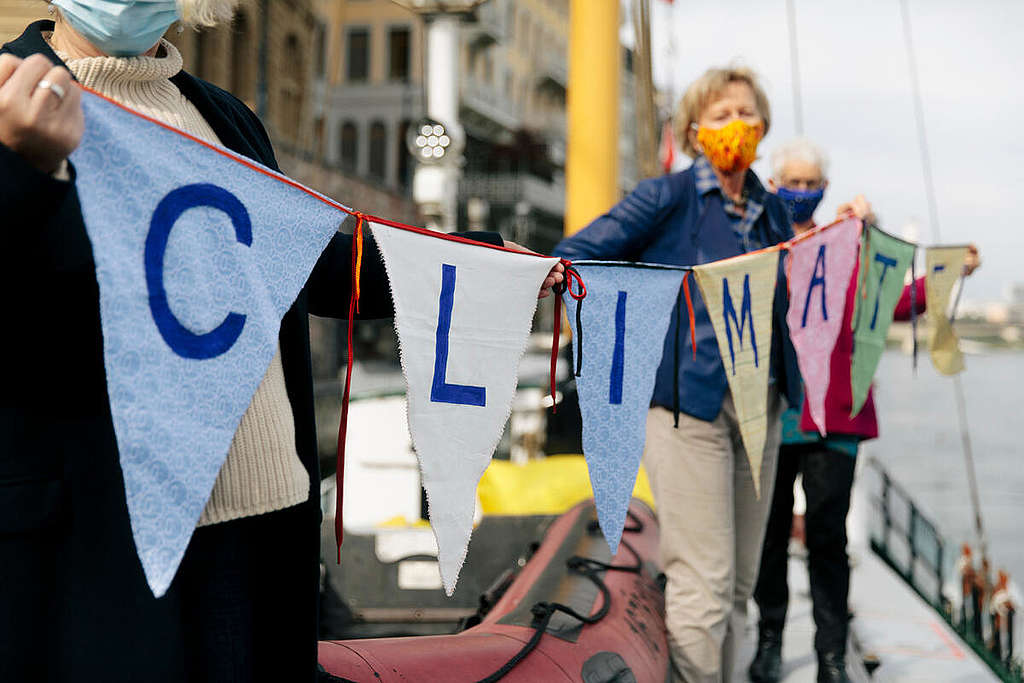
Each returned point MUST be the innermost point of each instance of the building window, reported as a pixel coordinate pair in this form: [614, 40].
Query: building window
[403, 165]
[320, 45]
[203, 56]
[378, 149]
[292, 93]
[349, 146]
[358, 54]
[242, 80]
[398, 53]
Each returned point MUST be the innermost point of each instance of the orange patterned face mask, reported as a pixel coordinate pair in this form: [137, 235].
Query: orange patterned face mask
[732, 147]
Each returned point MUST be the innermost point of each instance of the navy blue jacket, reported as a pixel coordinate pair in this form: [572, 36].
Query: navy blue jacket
[664, 220]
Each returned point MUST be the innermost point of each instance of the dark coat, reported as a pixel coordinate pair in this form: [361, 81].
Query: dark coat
[74, 604]
[664, 220]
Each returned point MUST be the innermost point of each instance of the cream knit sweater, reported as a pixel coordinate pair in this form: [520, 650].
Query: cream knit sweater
[262, 472]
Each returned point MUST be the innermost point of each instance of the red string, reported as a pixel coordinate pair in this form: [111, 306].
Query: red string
[689, 309]
[254, 166]
[358, 235]
[554, 347]
[570, 273]
[339, 475]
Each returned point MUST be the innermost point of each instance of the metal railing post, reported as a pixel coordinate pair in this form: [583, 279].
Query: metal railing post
[912, 543]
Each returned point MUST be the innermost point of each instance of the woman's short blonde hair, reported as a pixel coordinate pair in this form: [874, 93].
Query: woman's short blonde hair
[706, 90]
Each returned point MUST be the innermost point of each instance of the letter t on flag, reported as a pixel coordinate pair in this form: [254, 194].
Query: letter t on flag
[626, 316]
[463, 313]
[820, 268]
[879, 285]
[740, 293]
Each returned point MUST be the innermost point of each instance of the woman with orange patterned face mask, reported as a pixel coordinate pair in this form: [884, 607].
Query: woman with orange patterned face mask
[710, 519]
[728, 132]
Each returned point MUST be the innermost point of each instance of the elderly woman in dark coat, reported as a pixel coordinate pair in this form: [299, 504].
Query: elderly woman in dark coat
[74, 604]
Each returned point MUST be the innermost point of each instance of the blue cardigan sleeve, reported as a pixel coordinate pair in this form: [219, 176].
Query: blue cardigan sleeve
[625, 230]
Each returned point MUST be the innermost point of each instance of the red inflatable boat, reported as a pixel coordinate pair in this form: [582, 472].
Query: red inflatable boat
[572, 614]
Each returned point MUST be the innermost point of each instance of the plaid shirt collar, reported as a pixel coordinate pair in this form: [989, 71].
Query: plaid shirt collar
[707, 182]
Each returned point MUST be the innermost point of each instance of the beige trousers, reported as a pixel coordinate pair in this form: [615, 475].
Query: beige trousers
[712, 527]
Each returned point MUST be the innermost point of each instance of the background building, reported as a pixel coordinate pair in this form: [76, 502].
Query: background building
[513, 78]
[15, 15]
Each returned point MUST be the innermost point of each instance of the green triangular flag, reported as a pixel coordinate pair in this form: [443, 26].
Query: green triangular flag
[884, 263]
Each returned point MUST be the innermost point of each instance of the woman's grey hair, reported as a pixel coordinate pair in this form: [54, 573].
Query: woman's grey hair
[803, 150]
[200, 13]
[206, 13]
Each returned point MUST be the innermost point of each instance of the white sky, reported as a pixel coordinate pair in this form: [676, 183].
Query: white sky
[858, 106]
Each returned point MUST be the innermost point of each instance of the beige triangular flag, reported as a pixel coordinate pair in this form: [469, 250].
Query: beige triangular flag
[739, 293]
[943, 266]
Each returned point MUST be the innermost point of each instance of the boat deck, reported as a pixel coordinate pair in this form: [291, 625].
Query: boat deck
[892, 625]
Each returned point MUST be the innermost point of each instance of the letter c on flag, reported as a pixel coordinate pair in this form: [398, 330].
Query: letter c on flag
[183, 341]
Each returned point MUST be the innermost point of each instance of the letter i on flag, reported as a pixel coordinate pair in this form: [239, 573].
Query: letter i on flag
[884, 263]
[463, 313]
[198, 257]
[943, 266]
[739, 293]
[627, 313]
[819, 270]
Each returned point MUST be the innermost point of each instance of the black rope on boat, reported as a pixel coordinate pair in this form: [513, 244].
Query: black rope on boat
[579, 336]
[675, 361]
[585, 566]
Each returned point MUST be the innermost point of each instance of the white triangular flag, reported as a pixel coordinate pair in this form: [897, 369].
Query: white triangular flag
[463, 313]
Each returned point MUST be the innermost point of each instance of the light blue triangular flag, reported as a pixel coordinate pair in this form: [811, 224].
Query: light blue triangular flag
[198, 257]
[625, 317]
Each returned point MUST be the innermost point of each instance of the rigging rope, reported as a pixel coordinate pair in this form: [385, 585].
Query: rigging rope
[933, 210]
[794, 65]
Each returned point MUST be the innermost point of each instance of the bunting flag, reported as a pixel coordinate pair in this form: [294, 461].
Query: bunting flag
[463, 313]
[198, 257]
[943, 266]
[739, 293]
[884, 263]
[819, 270]
[624, 320]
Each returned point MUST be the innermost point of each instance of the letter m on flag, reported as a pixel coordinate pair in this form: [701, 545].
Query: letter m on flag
[729, 310]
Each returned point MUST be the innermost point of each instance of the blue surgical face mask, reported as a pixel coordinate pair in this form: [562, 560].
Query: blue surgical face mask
[801, 203]
[122, 28]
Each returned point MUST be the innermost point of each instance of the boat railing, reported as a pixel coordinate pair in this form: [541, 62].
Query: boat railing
[908, 541]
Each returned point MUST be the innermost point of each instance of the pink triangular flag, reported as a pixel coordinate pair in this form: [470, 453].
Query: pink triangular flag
[820, 268]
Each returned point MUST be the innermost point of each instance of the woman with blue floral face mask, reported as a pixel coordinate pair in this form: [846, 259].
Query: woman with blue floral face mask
[74, 604]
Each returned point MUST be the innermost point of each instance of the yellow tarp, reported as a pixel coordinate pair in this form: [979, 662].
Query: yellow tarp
[548, 486]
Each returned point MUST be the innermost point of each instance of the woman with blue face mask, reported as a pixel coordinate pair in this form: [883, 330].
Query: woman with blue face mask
[74, 603]
[826, 463]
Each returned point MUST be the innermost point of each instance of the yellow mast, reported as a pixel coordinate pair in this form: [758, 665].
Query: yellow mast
[591, 169]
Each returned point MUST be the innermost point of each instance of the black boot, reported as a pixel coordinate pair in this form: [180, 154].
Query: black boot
[832, 667]
[767, 664]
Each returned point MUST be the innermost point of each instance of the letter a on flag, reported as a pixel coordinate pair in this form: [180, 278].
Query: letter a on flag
[943, 266]
[198, 257]
[884, 263]
[463, 313]
[739, 293]
[625, 318]
[819, 269]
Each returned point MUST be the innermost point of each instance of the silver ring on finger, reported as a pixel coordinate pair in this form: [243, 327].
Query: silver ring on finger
[57, 90]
